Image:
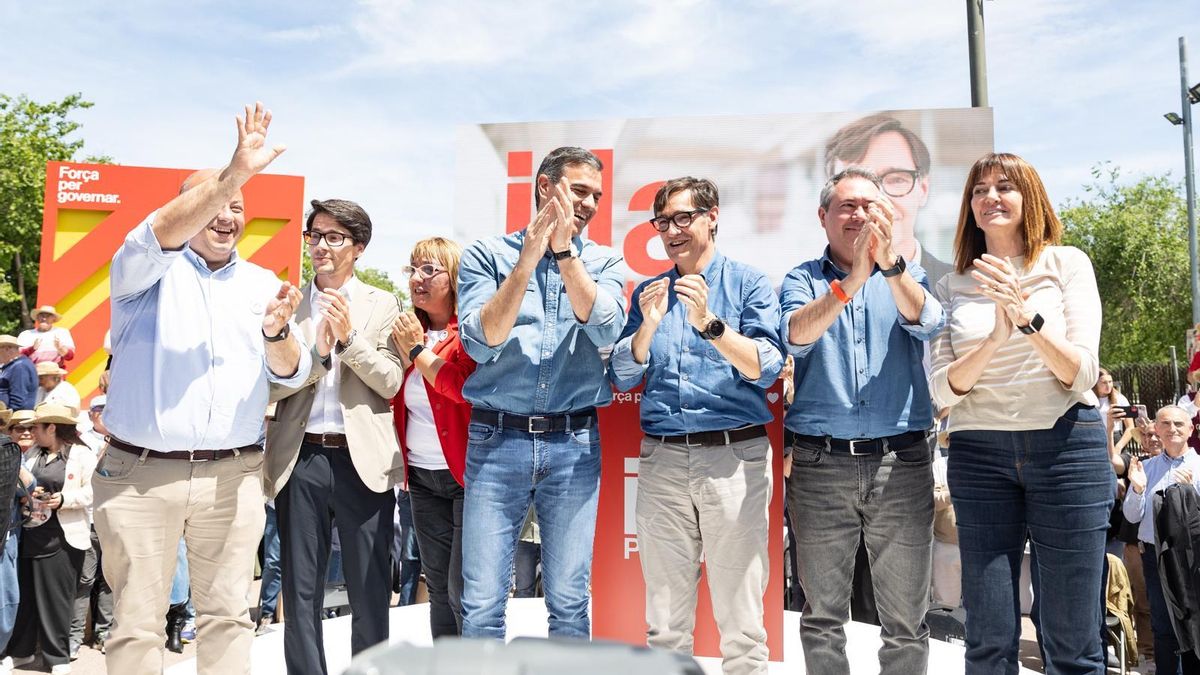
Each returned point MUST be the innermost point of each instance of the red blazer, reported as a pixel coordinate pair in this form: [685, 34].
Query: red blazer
[451, 412]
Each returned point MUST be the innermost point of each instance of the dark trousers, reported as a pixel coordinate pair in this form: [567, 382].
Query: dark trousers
[1167, 658]
[47, 605]
[437, 508]
[324, 484]
[92, 588]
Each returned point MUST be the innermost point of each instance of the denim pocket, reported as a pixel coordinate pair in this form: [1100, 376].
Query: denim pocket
[803, 455]
[917, 455]
[582, 436]
[117, 465]
[1082, 415]
[478, 433]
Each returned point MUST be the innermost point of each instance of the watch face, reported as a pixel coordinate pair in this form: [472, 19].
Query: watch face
[715, 328]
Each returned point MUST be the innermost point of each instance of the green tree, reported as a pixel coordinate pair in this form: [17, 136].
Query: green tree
[369, 275]
[1136, 236]
[31, 134]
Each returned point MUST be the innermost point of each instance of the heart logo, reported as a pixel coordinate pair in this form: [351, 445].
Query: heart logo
[772, 397]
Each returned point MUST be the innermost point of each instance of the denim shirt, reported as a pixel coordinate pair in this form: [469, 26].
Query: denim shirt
[550, 362]
[690, 386]
[864, 377]
[189, 363]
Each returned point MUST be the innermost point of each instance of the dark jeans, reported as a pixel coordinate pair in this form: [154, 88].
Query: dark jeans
[268, 596]
[887, 500]
[1167, 660]
[1056, 487]
[437, 508]
[47, 604]
[325, 484]
[528, 557]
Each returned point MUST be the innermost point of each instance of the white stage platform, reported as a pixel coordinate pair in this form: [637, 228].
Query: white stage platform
[527, 618]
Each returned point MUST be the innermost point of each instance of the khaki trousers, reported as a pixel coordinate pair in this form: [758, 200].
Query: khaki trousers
[143, 506]
[711, 500]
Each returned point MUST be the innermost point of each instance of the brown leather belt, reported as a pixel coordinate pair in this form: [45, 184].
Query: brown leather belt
[187, 455]
[326, 440]
[715, 437]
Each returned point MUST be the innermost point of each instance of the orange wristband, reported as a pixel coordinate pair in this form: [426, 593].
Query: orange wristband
[836, 287]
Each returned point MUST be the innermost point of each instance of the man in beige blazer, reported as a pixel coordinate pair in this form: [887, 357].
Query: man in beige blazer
[332, 453]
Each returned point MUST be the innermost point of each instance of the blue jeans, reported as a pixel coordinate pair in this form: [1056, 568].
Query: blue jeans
[1056, 487]
[10, 592]
[181, 587]
[268, 596]
[506, 468]
[406, 554]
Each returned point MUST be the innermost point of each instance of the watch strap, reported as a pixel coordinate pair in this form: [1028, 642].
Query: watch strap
[897, 269]
[280, 336]
[1035, 325]
[563, 255]
[414, 352]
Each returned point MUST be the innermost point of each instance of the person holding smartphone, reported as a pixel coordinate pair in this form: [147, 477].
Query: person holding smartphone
[1107, 395]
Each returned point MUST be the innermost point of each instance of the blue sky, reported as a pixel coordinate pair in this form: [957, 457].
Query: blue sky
[368, 94]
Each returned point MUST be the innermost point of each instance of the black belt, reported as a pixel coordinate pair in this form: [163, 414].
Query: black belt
[715, 437]
[536, 424]
[326, 440]
[189, 455]
[858, 447]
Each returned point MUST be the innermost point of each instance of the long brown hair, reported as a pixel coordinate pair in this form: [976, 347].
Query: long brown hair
[1112, 390]
[1040, 226]
[446, 252]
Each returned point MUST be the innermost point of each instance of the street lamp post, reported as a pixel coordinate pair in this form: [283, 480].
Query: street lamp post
[1189, 96]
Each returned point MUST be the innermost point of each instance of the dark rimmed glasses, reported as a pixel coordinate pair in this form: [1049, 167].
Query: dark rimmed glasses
[899, 182]
[333, 239]
[681, 220]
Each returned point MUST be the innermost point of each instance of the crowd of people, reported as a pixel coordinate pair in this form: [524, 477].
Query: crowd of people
[480, 402]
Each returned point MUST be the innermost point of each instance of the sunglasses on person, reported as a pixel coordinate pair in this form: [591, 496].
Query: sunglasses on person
[682, 219]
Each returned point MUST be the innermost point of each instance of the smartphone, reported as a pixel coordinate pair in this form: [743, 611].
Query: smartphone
[1133, 411]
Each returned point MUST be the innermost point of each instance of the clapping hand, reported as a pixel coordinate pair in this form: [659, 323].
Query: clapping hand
[653, 301]
[407, 333]
[880, 215]
[1183, 475]
[280, 309]
[998, 280]
[564, 217]
[693, 293]
[336, 313]
[1137, 476]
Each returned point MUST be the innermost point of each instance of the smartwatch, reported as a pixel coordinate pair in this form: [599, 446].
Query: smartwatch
[1035, 325]
[897, 269]
[412, 353]
[714, 329]
[281, 336]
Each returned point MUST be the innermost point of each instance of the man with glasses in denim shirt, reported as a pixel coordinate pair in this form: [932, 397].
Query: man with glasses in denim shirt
[704, 337]
[857, 320]
[538, 308]
[332, 452]
[901, 160]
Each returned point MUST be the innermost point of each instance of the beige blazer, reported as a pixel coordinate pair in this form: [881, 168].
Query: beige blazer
[76, 494]
[371, 376]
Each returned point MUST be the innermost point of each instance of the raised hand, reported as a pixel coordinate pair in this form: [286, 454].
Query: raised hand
[252, 154]
[880, 216]
[336, 312]
[325, 338]
[1183, 475]
[407, 332]
[998, 280]
[1003, 327]
[692, 290]
[537, 233]
[564, 222]
[1137, 476]
[653, 301]
[280, 309]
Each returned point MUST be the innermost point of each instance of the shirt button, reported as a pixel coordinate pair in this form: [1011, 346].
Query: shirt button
[684, 377]
[687, 348]
[546, 354]
[542, 385]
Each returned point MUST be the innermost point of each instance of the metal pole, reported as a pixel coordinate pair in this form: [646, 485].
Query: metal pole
[1175, 373]
[1189, 173]
[977, 51]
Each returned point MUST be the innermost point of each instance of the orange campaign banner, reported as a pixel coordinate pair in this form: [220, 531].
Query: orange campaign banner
[89, 210]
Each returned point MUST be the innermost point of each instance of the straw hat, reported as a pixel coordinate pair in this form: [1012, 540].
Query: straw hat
[45, 309]
[8, 340]
[5, 415]
[49, 368]
[53, 413]
[21, 417]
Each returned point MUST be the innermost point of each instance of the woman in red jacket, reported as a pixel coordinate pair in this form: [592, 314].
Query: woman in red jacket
[431, 423]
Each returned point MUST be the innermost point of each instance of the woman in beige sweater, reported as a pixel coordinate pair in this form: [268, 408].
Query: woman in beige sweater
[1028, 458]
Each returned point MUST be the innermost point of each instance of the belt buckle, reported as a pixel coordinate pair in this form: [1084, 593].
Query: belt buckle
[856, 453]
[192, 458]
[687, 441]
[530, 424]
[325, 442]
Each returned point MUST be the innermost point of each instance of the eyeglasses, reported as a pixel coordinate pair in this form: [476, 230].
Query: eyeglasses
[425, 270]
[333, 239]
[682, 219]
[21, 428]
[899, 182]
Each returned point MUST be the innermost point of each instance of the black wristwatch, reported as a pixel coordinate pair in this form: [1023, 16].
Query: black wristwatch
[412, 353]
[714, 329]
[281, 336]
[1035, 325]
[897, 269]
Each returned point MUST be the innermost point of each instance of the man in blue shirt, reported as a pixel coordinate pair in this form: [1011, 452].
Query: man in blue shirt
[1177, 463]
[537, 307]
[704, 337]
[18, 376]
[856, 319]
[197, 335]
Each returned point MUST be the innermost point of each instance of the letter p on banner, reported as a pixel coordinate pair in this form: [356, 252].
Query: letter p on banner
[89, 210]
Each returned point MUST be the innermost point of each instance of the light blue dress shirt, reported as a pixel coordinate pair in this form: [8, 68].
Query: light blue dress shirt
[1140, 508]
[550, 363]
[864, 377]
[690, 386]
[189, 367]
